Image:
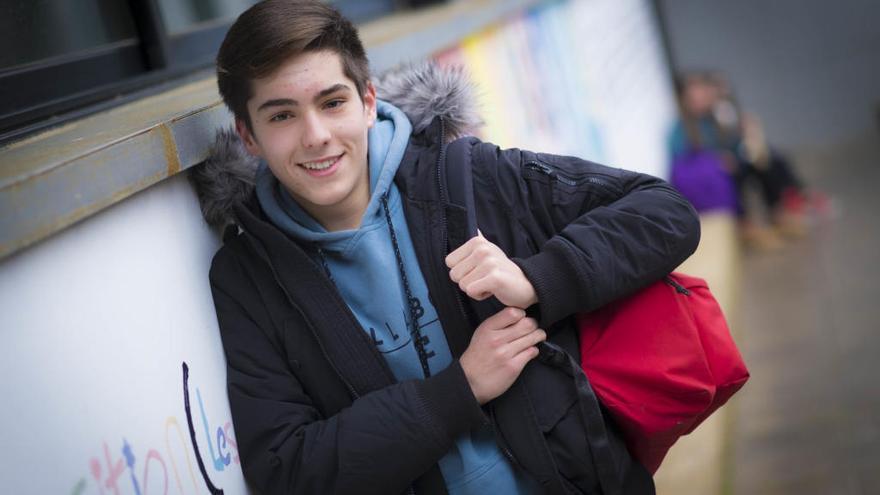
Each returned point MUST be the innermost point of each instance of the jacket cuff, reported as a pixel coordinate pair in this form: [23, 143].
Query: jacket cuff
[450, 403]
[556, 282]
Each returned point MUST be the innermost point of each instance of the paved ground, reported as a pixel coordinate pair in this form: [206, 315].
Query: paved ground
[808, 422]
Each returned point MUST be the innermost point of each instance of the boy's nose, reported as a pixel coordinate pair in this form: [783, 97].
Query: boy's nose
[316, 133]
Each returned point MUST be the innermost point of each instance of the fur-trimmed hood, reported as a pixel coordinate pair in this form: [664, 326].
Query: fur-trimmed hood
[422, 91]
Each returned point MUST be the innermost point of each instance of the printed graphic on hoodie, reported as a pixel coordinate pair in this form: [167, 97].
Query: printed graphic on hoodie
[402, 337]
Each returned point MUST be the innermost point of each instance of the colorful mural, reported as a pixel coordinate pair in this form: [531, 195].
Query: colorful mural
[583, 78]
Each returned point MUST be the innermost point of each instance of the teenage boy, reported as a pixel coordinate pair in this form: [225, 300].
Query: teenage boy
[371, 347]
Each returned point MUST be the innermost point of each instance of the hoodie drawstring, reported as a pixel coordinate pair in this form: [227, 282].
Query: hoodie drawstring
[413, 303]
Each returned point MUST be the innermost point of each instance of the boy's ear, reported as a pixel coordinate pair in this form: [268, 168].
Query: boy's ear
[247, 137]
[370, 103]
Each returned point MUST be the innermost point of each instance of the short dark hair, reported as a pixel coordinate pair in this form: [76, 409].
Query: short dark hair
[273, 31]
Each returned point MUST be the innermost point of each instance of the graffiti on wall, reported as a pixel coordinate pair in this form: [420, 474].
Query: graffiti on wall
[130, 469]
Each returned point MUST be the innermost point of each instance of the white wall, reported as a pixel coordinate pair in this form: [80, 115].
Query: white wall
[634, 102]
[96, 323]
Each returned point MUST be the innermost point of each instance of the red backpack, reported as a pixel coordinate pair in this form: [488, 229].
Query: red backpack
[660, 361]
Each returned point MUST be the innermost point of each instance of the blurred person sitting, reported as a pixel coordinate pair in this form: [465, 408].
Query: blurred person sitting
[712, 124]
[783, 192]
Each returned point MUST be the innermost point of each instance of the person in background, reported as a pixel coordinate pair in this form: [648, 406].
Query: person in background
[783, 191]
[712, 120]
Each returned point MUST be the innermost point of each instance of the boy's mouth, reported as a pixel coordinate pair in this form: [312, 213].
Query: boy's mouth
[321, 166]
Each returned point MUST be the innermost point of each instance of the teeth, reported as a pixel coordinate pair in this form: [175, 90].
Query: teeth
[319, 165]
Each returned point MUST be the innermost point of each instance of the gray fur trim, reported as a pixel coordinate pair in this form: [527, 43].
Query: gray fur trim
[225, 179]
[422, 91]
[425, 91]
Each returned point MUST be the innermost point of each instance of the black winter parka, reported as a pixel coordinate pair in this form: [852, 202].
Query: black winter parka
[315, 407]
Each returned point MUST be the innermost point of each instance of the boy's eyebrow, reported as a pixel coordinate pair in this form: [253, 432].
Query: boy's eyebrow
[280, 102]
[332, 89]
[277, 102]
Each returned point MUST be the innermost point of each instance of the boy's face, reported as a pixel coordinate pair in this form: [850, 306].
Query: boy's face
[310, 125]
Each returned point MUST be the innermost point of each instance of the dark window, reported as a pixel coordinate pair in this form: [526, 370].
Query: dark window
[58, 50]
[42, 29]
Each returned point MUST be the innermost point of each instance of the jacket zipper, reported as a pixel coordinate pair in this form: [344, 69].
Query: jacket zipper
[324, 352]
[560, 177]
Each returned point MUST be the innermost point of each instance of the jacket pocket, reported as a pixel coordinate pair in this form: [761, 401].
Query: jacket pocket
[555, 403]
[570, 189]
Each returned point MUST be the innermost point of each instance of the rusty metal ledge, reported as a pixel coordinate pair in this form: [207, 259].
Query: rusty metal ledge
[52, 180]
[56, 178]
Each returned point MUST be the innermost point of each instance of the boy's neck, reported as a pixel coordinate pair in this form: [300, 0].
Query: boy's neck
[346, 215]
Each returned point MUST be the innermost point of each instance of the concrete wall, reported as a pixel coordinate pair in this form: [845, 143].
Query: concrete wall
[97, 324]
[810, 68]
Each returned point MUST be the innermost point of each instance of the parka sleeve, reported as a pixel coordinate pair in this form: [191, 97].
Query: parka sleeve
[604, 232]
[379, 444]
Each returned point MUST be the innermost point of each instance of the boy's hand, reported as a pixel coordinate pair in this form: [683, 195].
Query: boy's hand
[482, 270]
[499, 350]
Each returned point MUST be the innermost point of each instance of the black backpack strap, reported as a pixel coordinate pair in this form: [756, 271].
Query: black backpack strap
[591, 416]
[457, 179]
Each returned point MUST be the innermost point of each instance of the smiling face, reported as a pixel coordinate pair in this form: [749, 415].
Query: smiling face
[310, 125]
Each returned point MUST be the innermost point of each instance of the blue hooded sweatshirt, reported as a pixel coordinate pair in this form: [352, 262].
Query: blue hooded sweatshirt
[363, 266]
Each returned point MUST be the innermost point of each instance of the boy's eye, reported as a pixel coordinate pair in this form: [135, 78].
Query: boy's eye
[279, 117]
[334, 103]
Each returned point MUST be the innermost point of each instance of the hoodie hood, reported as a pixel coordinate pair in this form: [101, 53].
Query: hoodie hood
[423, 92]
